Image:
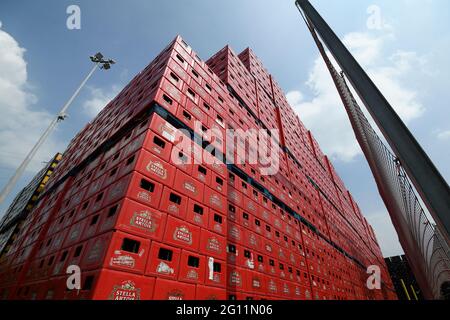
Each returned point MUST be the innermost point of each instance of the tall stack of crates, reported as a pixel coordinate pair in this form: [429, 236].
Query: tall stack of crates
[145, 217]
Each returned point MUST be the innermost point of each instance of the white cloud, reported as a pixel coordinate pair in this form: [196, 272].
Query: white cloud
[324, 113]
[444, 135]
[21, 122]
[385, 233]
[99, 99]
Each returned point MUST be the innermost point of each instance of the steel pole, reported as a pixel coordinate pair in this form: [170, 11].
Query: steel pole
[59, 117]
[427, 180]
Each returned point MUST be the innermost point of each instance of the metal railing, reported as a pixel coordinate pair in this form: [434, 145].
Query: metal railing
[432, 252]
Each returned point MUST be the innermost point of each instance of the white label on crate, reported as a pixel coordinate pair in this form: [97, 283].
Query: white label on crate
[211, 268]
[192, 274]
[164, 268]
[256, 283]
[145, 196]
[123, 261]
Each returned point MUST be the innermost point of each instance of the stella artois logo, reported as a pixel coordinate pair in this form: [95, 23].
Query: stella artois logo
[216, 278]
[158, 150]
[307, 294]
[251, 206]
[252, 240]
[200, 90]
[95, 186]
[157, 168]
[57, 242]
[214, 245]
[288, 230]
[183, 234]
[198, 219]
[235, 279]
[167, 131]
[233, 195]
[74, 234]
[281, 254]
[286, 289]
[192, 274]
[164, 268]
[292, 258]
[277, 223]
[189, 186]
[173, 208]
[272, 286]
[171, 90]
[175, 295]
[178, 69]
[144, 196]
[122, 261]
[215, 200]
[268, 247]
[125, 291]
[218, 227]
[218, 167]
[234, 233]
[256, 283]
[265, 215]
[144, 220]
[196, 111]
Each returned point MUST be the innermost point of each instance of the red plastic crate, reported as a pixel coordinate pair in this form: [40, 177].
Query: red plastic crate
[127, 253]
[197, 213]
[216, 273]
[211, 244]
[116, 285]
[155, 168]
[140, 220]
[192, 267]
[182, 234]
[174, 203]
[188, 186]
[163, 261]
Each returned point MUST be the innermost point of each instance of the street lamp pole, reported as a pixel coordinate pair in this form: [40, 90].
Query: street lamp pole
[98, 61]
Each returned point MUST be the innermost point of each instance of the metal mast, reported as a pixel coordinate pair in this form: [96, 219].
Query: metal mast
[425, 245]
[98, 61]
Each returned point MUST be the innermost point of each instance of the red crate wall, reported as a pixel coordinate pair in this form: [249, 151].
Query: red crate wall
[144, 227]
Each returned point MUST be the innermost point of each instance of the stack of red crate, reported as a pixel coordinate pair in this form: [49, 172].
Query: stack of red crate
[130, 207]
[231, 71]
[256, 68]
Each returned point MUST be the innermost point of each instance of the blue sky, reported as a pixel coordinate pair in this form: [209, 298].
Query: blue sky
[42, 62]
